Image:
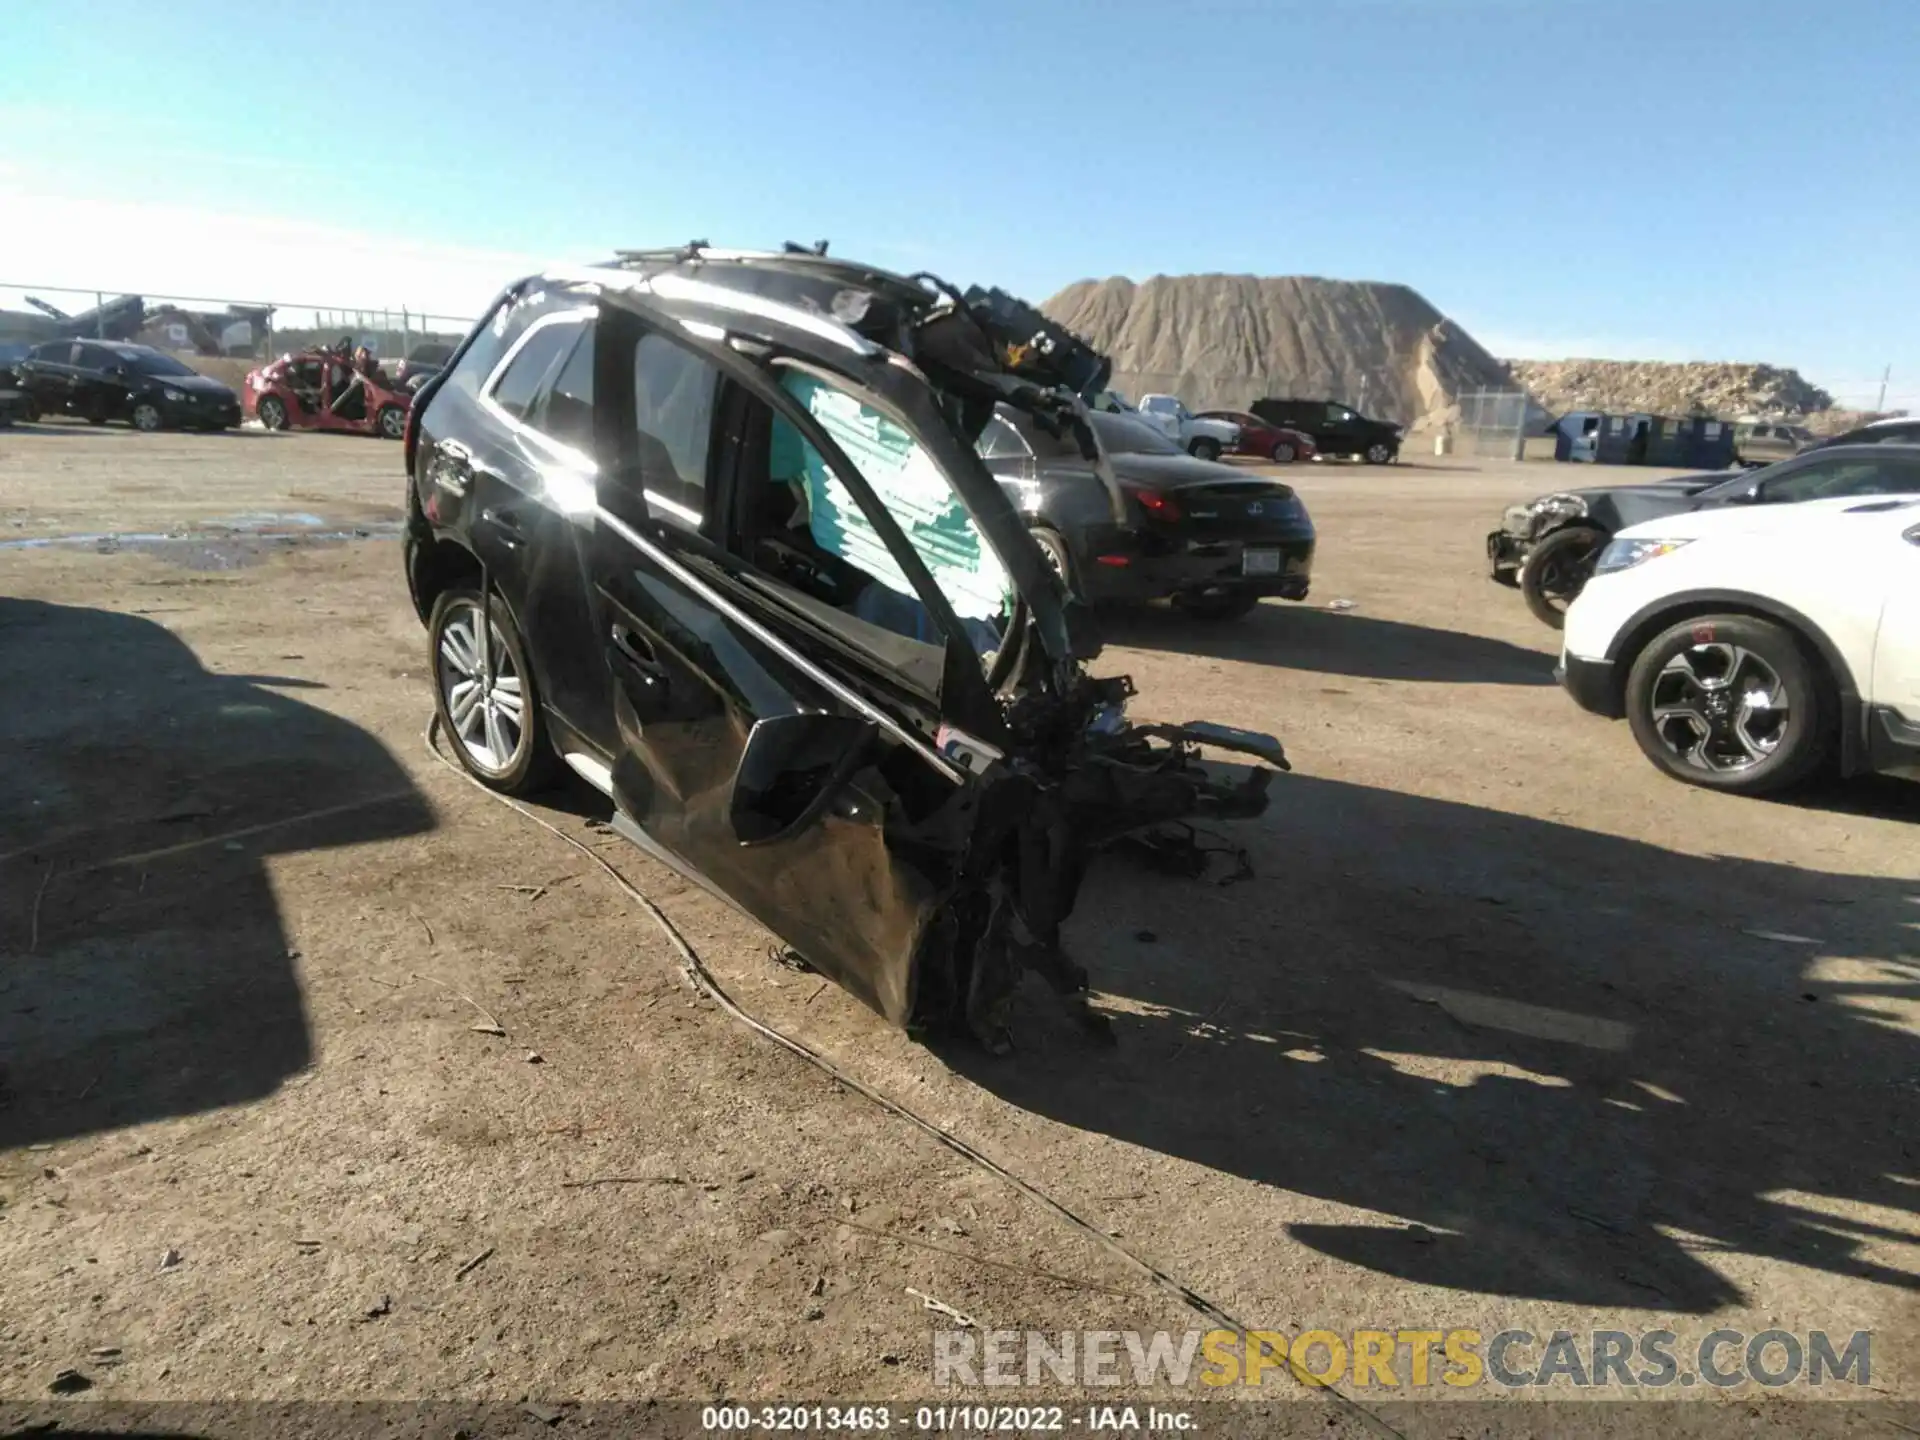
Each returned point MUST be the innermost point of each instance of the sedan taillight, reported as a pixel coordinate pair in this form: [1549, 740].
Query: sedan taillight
[1160, 507]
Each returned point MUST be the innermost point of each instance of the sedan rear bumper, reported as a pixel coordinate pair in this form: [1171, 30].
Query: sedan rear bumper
[1203, 566]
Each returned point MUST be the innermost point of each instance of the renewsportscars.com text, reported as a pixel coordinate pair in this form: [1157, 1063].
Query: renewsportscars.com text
[1397, 1359]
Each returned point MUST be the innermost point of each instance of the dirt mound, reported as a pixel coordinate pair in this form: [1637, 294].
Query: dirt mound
[1729, 390]
[228, 371]
[1226, 340]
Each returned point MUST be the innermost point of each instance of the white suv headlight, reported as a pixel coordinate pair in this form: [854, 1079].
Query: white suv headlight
[1625, 554]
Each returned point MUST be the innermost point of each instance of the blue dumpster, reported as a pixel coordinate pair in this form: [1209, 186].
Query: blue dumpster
[1712, 447]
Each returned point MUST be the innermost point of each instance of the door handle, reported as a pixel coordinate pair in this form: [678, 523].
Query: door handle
[637, 652]
[1912, 536]
[503, 517]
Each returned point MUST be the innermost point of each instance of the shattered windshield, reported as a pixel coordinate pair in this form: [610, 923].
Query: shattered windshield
[917, 495]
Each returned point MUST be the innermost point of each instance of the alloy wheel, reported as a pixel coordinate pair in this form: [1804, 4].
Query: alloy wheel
[483, 690]
[146, 416]
[1720, 707]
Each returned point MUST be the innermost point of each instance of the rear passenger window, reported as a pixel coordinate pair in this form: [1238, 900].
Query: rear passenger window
[673, 400]
[505, 326]
[565, 410]
[545, 350]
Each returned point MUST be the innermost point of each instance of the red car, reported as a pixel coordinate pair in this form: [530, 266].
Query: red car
[1269, 442]
[296, 392]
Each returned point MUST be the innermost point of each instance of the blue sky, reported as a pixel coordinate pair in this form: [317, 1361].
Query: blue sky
[1711, 179]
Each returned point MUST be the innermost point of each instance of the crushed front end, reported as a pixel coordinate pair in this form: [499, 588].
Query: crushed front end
[931, 898]
[1077, 779]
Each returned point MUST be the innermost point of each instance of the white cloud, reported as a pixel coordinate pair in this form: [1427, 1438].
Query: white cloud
[172, 250]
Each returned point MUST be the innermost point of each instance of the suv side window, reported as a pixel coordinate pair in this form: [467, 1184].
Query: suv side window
[565, 409]
[1840, 478]
[523, 381]
[505, 326]
[674, 392]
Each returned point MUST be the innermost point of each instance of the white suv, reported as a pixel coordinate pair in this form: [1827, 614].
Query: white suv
[1746, 645]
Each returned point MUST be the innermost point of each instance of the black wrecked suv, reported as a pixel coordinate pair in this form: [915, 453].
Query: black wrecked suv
[710, 528]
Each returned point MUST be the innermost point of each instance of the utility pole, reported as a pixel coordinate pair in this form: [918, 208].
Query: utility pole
[1885, 375]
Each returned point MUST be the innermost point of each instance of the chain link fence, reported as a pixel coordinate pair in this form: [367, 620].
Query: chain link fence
[1493, 423]
[211, 328]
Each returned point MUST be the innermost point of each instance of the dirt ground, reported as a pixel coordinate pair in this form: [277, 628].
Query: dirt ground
[1507, 1031]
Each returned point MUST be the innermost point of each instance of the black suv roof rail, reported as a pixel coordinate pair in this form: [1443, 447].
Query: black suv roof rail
[794, 259]
[703, 250]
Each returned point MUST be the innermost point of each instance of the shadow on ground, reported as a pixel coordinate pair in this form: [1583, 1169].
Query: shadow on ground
[144, 969]
[1301, 637]
[1568, 1057]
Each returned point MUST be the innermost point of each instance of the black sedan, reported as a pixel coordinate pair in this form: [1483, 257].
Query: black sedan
[1548, 546]
[13, 400]
[1210, 537]
[102, 380]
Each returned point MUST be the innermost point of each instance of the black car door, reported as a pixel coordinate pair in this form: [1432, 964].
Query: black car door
[754, 752]
[99, 383]
[47, 375]
[1342, 427]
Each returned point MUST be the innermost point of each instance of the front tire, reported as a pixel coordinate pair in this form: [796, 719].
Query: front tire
[393, 422]
[146, 417]
[1284, 453]
[488, 704]
[1379, 454]
[272, 411]
[1204, 449]
[1557, 569]
[1730, 702]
